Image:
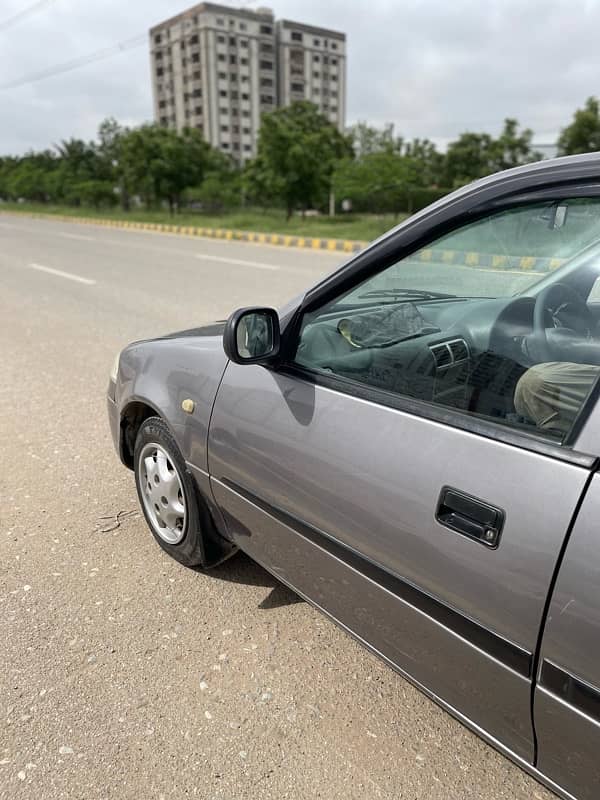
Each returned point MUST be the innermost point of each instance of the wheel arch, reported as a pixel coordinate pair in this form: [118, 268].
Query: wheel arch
[132, 415]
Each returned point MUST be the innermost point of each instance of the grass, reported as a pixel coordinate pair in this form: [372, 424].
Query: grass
[362, 227]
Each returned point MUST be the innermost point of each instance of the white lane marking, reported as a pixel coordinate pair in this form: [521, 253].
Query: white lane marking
[77, 236]
[256, 264]
[61, 274]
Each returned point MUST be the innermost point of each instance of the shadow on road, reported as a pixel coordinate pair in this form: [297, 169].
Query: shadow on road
[241, 569]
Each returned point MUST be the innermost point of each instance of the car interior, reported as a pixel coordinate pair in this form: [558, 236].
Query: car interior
[466, 353]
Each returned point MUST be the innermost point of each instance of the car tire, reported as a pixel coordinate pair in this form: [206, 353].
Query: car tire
[167, 493]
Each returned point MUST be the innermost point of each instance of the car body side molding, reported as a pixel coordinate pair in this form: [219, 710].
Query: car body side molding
[507, 653]
[572, 690]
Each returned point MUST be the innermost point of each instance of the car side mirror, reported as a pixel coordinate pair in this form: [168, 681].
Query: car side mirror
[252, 336]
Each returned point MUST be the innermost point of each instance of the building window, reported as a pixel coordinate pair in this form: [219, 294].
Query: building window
[198, 111]
[160, 71]
[333, 78]
[267, 30]
[266, 82]
[235, 112]
[317, 42]
[164, 121]
[266, 47]
[224, 128]
[223, 110]
[243, 26]
[196, 76]
[316, 75]
[316, 58]
[157, 39]
[182, 44]
[233, 59]
[243, 43]
[221, 39]
[222, 76]
[297, 87]
[158, 56]
[316, 92]
[266, 65]
[197, 93]
[244, 79]
[296, 36]
[235, 129]
[244, 62]
[194, 39]
[236, 146]
[231, 22]
[334, 62]
[246, 130]
[245, 97]
[222, 93]
[234, 95]
[221, 57]
[245, 113]
[334, 45]
[266, 99]
[247, 147]
[220, 21]
[162, 104]
[225, 145]
[196, 58]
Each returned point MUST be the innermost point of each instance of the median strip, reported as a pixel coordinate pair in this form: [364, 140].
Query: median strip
[283, 240]
[60, 274]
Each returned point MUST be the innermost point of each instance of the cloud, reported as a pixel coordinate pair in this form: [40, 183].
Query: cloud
[432, 68]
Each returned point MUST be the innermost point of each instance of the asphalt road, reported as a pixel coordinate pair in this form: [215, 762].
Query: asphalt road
[122, 674]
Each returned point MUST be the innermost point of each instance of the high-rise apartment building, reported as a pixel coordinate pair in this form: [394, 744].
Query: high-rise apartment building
[218, 69]
[311, 65]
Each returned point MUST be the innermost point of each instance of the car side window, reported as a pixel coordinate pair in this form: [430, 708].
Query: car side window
[498, 319]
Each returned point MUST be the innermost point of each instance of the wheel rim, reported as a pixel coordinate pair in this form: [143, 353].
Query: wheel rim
[162, 493]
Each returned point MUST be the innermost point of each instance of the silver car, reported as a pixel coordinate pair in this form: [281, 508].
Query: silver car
[412, 447]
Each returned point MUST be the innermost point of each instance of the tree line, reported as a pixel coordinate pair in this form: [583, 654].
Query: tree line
[302, 161]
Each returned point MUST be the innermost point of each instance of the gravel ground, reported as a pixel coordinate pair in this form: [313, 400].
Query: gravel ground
[122, 674]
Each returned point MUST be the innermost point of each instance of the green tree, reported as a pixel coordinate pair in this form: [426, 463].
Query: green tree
[367, 139]
[475, 155]
[297, 152]
[159, 163]
[377, 182]
[583, 134]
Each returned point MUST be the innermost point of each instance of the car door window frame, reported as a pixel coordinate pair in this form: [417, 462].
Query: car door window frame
[392, 249]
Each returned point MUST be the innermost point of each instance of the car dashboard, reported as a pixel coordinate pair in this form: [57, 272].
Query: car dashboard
[467, 353]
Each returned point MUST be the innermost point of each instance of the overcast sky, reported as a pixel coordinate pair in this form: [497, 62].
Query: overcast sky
[432, 67]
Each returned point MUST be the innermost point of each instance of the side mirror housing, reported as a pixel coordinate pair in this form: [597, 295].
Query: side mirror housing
[252, 336]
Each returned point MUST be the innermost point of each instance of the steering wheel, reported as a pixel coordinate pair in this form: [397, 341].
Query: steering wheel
[557, 343]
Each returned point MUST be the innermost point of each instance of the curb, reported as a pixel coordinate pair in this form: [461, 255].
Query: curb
[333, 245]
[476, 260]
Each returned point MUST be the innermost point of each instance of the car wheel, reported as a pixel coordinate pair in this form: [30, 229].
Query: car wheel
[167, 493]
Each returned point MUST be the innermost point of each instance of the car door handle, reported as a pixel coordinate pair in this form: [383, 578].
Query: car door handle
[472, 517]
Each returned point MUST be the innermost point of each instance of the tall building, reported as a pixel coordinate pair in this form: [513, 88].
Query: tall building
[311, 65]
[218, 69]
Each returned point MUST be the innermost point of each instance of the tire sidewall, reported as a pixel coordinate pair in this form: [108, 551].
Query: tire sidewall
[189, 550]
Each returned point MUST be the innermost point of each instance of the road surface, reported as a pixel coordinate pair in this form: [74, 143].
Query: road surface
[122, 674]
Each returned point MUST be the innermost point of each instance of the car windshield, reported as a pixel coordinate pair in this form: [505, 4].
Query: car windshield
[500, 255]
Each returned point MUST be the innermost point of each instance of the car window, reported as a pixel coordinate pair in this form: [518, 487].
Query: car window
[496, 319]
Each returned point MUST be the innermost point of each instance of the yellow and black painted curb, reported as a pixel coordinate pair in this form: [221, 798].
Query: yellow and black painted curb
[460, 258]
[313, 243]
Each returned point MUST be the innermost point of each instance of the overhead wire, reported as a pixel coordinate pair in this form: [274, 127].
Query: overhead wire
[75, 63]
[26, 12]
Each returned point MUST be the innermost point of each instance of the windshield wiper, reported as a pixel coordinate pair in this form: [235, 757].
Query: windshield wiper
[413, 293]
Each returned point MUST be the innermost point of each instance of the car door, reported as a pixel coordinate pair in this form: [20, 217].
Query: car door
[401, 492]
